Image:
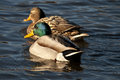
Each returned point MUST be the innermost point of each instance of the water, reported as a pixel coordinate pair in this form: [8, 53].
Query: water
[101, 58]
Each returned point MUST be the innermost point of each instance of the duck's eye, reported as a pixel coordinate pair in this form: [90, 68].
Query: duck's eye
[36, 27]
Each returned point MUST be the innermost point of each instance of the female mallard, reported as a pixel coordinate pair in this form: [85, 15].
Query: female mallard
[57, 24]
[49, 47]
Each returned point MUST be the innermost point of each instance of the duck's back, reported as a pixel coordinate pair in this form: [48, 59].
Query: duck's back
[60, 25]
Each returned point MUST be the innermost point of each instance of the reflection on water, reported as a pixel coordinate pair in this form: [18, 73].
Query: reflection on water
[100, 60]
[50, 65]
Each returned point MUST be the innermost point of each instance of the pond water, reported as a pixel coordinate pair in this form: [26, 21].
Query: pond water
[101, 57]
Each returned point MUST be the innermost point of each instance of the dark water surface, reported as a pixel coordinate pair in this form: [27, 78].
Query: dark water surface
[101, 58]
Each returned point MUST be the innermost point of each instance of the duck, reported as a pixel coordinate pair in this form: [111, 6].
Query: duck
[57, 24]
[51, 46]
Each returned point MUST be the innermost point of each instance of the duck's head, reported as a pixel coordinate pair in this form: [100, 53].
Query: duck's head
[35, 14]
[40, 29]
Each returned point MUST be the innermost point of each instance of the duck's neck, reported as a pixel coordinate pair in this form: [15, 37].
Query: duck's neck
[30, 27]
[34, 21]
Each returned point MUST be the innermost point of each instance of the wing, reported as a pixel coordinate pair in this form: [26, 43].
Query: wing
[65, 41]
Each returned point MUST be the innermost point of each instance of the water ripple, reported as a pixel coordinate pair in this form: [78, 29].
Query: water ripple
[99, 18]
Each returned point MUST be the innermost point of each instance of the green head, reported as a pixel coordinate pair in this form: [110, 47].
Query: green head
[40, 29]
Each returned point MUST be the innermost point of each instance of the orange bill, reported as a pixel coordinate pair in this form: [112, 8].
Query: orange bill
[29, 35]
[28, 19]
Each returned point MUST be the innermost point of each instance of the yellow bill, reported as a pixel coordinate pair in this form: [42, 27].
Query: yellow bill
[28, 19]
[29, 35]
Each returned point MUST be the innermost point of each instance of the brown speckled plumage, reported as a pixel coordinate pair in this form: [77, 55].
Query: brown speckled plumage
[58, 24]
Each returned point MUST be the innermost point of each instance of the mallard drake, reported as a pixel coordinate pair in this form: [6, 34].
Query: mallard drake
[57, 24]
[52, 47]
